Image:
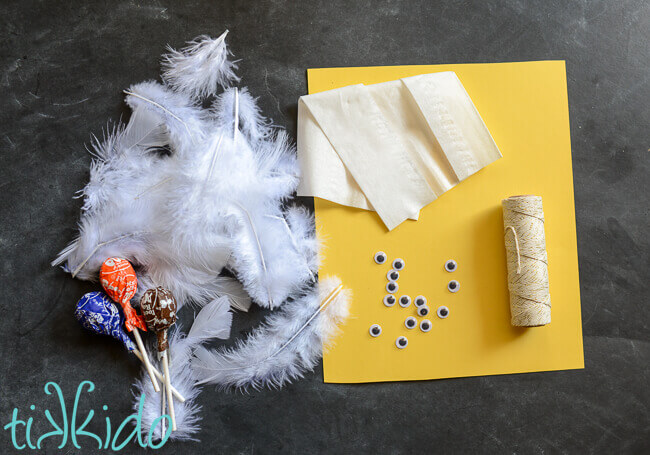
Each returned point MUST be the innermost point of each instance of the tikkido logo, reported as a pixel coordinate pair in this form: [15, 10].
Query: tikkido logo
[67, 428]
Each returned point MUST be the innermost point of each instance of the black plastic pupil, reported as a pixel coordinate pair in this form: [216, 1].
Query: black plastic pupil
[424, 311]
[410, 322]
[451, 265]
[391, 299]
[452, 285]
[393, 275]
[405, 300]
[398, 265]
[419, 301]
[425, 326]
[375, 330]
[391, 286]
[443, 312]
[380, 258]
[402, 342]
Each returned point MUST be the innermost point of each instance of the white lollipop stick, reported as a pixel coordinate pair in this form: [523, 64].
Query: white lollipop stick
[145, 359]
[159, 375]
[168, 385]
[162, 410]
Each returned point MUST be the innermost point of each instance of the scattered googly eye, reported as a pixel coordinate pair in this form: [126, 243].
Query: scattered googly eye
[404, 301]
[420, 300]
[389, 300]
[453, 286]
[398, 264]
[410, 322]
[375, 330]
[450, 265]
[380, 257]
[425, 325]
[423, 310]
[443, 312]
[393, 275]
[401, 342]
[392, 286]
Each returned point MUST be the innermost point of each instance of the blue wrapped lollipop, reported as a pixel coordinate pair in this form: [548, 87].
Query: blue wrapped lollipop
[96, 312]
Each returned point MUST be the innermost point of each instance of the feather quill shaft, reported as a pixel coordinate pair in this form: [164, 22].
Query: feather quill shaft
[236, 119]
[327, 301]
[294, 244]
[288, 344]
[152, 187]
[97, 247]
[213, 160]
[259, 249]
[161, 107]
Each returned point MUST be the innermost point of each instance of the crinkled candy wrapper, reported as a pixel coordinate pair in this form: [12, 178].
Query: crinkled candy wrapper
[96, 312]
[159, 310]
[120, 283]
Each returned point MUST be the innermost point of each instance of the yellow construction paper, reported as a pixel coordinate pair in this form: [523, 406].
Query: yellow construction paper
[525, 107]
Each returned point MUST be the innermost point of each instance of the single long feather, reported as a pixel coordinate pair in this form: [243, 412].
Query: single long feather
[159, 106]
[253, 231]
[199, 68]
[187, 413]
[289, 343]
[213, 321]
[145, 129]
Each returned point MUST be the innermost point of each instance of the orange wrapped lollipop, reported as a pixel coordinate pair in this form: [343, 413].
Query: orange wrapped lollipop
[120, 283]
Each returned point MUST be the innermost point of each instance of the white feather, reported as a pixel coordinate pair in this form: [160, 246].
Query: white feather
[253, 125]
[200, 68]
[213, 321]
[187, 418]
[233, 289]
[288, 344]
[145, 129]
[184, 121]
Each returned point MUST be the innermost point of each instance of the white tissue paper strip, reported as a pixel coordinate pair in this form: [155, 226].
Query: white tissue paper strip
[392, 147]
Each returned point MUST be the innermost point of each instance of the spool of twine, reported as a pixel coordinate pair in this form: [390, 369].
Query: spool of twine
[523, 221]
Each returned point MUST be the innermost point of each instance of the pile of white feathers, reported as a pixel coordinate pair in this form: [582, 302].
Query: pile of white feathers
[186, 192]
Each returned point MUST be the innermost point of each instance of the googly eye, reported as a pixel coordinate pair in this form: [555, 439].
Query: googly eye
[453, 286]
[389, 300]
[404, 301]
[375, 330]
[398, 264]
[410, 322]
[450, 265]
[401, 342]
[393, 275]
[392, 287]
[380, 257]
[425, 325]
[420, 300]
[423, 310]
[443, 312]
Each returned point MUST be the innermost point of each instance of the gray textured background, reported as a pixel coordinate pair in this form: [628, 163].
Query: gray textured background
[63, 65]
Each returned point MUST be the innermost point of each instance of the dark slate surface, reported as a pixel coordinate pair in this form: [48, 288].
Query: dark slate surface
[63, 65]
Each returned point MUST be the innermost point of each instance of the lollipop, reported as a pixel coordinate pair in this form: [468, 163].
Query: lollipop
[159, 310]
[96, 312]
[120, 283]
